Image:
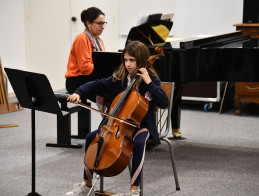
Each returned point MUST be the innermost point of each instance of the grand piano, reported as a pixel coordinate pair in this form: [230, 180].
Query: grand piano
[228, 57]
[216, 58]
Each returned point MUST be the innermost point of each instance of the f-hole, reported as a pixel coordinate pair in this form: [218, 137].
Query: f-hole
[117, 132]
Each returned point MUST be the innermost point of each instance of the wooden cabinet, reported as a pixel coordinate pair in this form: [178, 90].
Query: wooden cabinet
[247, 91]
[251, 29]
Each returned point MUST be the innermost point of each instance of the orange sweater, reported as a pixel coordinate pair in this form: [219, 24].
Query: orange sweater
[80, 60]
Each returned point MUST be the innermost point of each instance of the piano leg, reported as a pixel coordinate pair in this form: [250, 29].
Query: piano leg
[176, 111]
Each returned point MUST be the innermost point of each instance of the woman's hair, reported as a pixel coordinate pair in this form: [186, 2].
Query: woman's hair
[140, 52]
[90, 14]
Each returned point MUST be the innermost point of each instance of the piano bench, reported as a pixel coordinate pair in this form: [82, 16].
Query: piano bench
[64, 122]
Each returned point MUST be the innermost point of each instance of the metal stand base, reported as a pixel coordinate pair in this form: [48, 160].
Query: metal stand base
[34, 194]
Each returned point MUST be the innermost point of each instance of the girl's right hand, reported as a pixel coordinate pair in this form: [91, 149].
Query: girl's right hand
[74, 98]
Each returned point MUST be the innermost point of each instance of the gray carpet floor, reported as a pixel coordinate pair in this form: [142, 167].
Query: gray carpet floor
[219, 156]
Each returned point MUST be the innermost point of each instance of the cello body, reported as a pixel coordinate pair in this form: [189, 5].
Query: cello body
[116, 148]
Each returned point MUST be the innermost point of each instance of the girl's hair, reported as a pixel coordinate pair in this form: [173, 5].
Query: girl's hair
[90, 14]
[140, 52]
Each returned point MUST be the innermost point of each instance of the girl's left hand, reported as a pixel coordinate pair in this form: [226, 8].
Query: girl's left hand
[144, 74]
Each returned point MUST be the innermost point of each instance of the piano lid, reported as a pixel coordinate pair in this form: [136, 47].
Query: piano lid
[224, 40]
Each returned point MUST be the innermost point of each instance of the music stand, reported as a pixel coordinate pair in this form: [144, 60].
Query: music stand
[146, 34]
[34, 92]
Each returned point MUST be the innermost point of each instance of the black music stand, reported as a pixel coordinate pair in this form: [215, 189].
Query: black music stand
[146, 34]
[34, 92]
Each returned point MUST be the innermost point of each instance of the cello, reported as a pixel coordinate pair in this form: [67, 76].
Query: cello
[110, 151]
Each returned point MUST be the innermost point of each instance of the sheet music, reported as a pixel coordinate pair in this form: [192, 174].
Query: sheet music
[142, 18]
[167, 16]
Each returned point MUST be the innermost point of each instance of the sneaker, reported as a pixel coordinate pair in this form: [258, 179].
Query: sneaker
[131, 193]
[80, 189]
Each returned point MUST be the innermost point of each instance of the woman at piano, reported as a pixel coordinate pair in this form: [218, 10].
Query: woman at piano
[80, 63]
[134, 55]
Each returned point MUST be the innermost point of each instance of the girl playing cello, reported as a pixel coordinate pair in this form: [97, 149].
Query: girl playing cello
[133, 57]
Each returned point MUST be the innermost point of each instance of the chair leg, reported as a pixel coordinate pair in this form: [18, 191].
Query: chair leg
[129, 167]
[101, 184]
[141, 183]
[173, 162]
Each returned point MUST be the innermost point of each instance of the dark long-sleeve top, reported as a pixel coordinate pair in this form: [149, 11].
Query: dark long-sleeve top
[108, 86]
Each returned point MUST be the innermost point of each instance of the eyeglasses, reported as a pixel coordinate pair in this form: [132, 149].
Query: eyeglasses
[101, 24]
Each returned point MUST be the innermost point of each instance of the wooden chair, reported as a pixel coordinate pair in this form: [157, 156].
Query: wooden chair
[5, 105]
